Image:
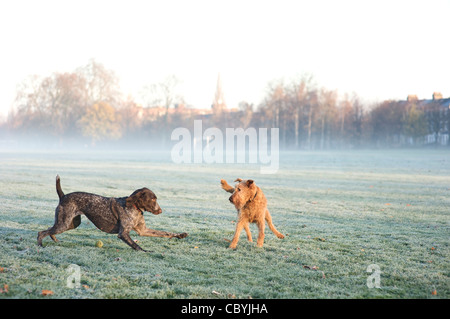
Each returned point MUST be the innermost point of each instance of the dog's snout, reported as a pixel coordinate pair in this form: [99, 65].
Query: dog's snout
[157, 209]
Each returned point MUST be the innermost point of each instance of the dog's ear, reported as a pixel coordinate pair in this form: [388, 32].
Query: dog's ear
[253, 189]
[130, 201]
[135, 199]
[238, 180]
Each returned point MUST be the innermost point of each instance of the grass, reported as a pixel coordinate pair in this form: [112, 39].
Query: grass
[341, 211]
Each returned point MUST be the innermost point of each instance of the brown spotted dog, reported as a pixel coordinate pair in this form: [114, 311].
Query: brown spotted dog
[251, 205]
[111, 215]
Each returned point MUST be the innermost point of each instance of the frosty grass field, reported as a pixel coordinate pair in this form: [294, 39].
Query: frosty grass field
[341, 212]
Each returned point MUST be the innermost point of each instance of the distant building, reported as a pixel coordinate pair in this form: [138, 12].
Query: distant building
[437, 111]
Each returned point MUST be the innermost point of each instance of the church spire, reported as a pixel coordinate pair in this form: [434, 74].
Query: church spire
[219, 102]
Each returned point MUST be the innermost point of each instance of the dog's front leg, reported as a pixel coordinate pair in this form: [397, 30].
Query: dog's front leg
[125, 236]
[239, 227]
[144, 231]
[249, 234]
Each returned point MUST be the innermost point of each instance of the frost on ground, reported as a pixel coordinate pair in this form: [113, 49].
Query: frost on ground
[342, 212]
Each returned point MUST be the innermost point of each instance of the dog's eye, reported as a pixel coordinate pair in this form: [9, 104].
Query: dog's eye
[239, 189]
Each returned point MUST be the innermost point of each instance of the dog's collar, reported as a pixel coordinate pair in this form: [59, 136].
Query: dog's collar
[251, 200]
[134, 205]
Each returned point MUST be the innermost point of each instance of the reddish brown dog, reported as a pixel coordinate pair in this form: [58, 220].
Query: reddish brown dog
[251, 205]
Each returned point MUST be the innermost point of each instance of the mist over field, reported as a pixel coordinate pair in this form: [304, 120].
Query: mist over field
[86, 108]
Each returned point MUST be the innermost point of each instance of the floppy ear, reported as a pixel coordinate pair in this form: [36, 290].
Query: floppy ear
[134, 199]
[254, 190]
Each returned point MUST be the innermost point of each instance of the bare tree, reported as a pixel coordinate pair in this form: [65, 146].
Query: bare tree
[299, 91]
[66, 100]
[28, 106]
[434, 113]
[51, 104]
[101, 84]
[246, 110]
[415, 123]
[310, 108]
[132, 116]
[163, 94]
[386, 121]
[55, 104]
[297, 101]
[326, 110]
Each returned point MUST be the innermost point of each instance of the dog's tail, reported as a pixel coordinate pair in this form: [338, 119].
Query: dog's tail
[58, 187]
[226, 187]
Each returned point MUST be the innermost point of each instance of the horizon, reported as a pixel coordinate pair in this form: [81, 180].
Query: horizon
[377, 50]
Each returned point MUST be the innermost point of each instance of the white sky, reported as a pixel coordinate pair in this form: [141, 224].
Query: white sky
[378, 49]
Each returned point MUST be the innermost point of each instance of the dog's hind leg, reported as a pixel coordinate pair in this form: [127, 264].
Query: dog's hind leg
[75, 223]
[62, 224]
[271, 225]
[261, 225]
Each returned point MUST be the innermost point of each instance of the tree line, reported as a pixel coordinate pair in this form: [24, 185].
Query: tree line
[317, 118]
[86, 107]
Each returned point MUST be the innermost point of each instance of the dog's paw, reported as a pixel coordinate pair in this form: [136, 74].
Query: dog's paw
[281, 236]
[181, 235]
